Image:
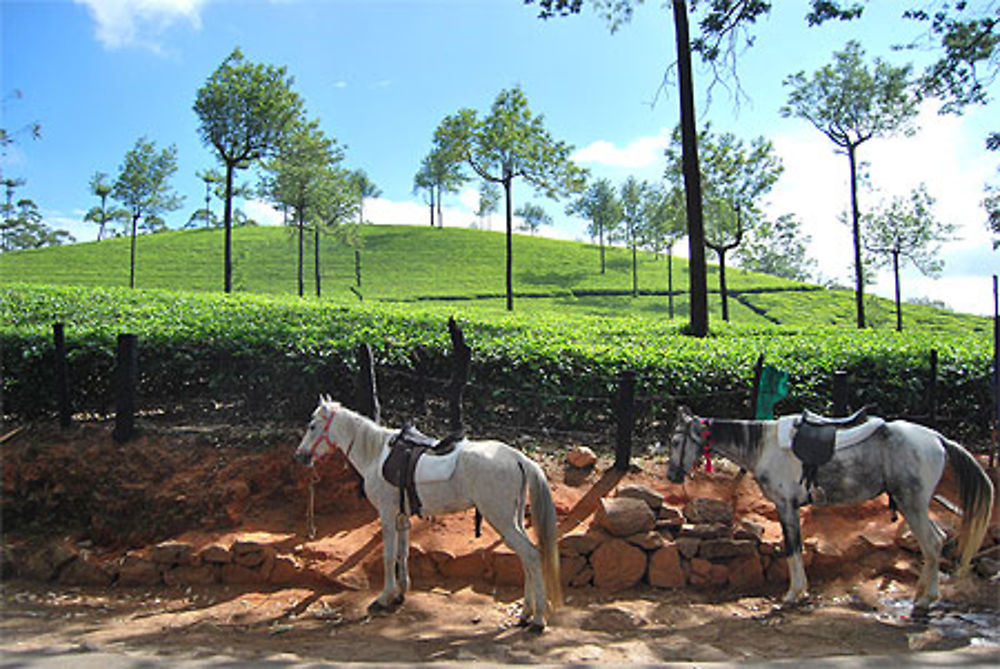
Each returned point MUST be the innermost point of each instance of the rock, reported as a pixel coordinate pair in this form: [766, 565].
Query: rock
[215, 554]
[645, 493]
[612, 619]
[749, 530]
[237, 574]
[583, 578]
[172, 552]
[250, 553]
[618, 564]
[581, 457]
[134, 570]
[44, 564]
[581, 543]
[507, 568]
[715, 549]
[704, 531]
[467, 568]
[623, 516]
[84, 571]
[706, 510]
[648, 541]
[688, 546]
[746, 572]
[988, 567]
[287, 570]
[708, 574]
[665, 568]
[185, 574]
[570, 567]
[670, 516]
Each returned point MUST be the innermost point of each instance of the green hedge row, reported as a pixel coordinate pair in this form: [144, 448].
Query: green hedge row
[271, 356]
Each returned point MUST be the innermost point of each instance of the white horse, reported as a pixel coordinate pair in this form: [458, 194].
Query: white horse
[489, 475]
[902, 459]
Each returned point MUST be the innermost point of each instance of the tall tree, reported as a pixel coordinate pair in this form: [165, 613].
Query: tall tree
[245, 109]
[365, 189]
[489, 202]
[851, 104]
[665, 225]
[99, 215]
[144, 191]
[632, 196]
[778, 247]
[439, 173]
[533, 217]
[906, 230]
[599, 204]
[297, 176]
[508, 144]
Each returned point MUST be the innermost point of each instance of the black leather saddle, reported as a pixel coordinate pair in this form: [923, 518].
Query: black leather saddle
[816, 438]
[405, 450]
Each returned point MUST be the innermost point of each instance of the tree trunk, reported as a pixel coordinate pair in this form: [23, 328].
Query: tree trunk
[440, 215]
[895, 274]
[227, 222]
[670, 282]
[298, 224]
[720, 252]
[692, 177]
[316, 263]
[131, 268]
[510, 245]
[431, 191]
[859, 278]
[635, 269]
[600, 236]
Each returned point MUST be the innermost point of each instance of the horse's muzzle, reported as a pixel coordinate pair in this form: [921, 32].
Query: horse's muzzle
[675, 475]
[303, 459]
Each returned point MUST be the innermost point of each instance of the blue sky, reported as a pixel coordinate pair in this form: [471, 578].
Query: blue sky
[381, 74]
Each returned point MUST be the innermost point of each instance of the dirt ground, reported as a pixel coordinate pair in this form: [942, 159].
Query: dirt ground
[213, 484]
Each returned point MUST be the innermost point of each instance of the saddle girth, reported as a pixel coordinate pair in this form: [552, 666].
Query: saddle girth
[815, 440]
[399, 468]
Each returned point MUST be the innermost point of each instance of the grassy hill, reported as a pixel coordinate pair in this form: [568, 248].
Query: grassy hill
[464, 266]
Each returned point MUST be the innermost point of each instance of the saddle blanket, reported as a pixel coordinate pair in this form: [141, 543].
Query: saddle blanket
[789, 425]
[434, 468]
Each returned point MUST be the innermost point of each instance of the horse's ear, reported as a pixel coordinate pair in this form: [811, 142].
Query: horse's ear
[325, 399]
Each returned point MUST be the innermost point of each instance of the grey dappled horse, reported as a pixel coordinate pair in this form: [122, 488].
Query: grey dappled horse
[900, 458]
[489, 475]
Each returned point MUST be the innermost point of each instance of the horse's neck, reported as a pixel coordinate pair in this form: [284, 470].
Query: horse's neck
[740, 441]
[367, 441]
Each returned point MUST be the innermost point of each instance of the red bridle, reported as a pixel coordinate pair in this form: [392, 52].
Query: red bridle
[325, 436]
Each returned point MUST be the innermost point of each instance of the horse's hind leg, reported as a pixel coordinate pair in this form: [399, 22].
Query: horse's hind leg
[534, 585]
[930, 538]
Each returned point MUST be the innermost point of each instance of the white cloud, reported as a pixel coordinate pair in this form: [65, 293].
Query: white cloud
[639, 153]
[125, 23]
[945, 154]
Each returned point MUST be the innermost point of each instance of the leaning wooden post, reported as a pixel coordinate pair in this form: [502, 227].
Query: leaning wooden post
[126, 380]
[840, 393]
[625, 412]
[459, 375]
[62, 375]
[366, 392]
[758, 370]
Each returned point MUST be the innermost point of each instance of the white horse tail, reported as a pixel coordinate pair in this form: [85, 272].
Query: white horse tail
[975, 492]
[543, 517]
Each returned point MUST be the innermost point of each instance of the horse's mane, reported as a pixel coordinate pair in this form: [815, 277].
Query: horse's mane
[369, 435]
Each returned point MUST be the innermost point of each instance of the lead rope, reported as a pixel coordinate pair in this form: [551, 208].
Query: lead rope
[311, 507]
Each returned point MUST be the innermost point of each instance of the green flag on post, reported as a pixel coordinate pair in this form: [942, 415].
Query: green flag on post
[773, 386]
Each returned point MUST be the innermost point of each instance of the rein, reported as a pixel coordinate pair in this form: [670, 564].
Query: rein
[314, 477]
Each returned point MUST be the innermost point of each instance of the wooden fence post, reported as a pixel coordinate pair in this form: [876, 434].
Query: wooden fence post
[366, 392]
[418, 357]
[625, 412]
[459, 375]
[758, 369]
[840, 392]
[62, 375]
[126, 380]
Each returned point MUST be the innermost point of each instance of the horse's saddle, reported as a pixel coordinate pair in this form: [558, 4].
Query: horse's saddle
[406, 449]
[815, 438]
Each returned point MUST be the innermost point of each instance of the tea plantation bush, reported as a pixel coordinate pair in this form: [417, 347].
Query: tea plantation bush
[271, 356]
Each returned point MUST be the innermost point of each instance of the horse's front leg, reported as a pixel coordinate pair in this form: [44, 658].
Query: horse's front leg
[390, 597]
[791, 530]
[402, 558]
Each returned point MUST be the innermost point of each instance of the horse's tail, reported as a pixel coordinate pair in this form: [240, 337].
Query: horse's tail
[543, 517]
[975, 492]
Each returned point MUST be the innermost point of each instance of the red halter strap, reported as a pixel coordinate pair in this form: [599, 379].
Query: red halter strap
[706, 445]
[325, 436]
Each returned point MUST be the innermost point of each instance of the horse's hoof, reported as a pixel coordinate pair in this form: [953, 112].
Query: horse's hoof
[536, 628]
[378, 608]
